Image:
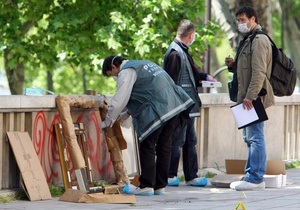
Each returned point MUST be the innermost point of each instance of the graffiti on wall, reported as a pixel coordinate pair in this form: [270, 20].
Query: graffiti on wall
[44, 141]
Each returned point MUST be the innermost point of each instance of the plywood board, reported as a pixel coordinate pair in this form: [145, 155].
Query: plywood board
[34, 181]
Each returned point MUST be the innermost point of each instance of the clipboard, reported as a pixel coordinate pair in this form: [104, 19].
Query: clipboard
[244, 118]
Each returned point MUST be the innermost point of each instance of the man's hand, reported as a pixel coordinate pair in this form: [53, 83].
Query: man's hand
[123, 116]
[210, 78]
[229, 62]
[247, 103]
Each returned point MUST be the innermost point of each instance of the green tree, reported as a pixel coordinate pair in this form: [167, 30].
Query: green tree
[60, 45]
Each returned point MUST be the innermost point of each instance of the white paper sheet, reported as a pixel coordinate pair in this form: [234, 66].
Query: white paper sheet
[210, 84]
[243, 116]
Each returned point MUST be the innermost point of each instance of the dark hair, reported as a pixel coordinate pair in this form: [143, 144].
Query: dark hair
[249, 12]
[185, 28]
[109, 61]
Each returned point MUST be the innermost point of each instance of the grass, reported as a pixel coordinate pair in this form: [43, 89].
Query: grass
[7, 199]
[292, 164]
[20, 195]
[101, 183]
[56, 191]
[207, 175]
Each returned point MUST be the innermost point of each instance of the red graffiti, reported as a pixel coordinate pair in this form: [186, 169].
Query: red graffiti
[98, 152]
[44, 141]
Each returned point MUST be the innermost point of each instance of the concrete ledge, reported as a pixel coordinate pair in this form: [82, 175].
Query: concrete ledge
[9, 192]
[222, 99]
[208, 99]
[26, 102]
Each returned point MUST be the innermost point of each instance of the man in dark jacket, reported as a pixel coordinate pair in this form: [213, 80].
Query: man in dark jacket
[157, 107]
[181, 67]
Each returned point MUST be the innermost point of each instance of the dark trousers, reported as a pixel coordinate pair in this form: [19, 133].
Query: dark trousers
[186, 139]
[155, 153]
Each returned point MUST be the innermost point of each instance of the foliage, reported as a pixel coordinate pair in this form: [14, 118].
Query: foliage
[209, 175]
[291, 7]
[101, 183]
[68, 39]
[19, 195]
[292, 164]
[56, 191]
[7, 199]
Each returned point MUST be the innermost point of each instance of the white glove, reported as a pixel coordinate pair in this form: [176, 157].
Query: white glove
[123, 116]
[106, 123]
[123, 119]
[102, 125]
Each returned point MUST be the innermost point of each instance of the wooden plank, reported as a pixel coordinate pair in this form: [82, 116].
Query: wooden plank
[63, 157]
[83, 143]
[84, 176]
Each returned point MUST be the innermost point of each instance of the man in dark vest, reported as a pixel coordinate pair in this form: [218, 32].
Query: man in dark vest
[157, 106]
[181, 67]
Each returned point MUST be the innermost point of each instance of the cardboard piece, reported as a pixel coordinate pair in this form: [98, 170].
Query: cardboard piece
[79, 196]
[113, 189]
[69, 135]
[34, 182]
[275, 175]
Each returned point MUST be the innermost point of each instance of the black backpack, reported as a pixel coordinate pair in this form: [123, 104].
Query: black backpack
[284, 75]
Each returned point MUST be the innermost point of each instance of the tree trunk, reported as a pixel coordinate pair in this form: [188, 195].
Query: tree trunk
[84, 79]
[291, 34]
[15, 76]
[49, 81]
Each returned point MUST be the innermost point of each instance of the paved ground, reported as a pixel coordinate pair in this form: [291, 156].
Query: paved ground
[188, 198]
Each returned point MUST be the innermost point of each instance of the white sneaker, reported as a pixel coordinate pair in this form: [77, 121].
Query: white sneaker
[243, 186]
[233, 184]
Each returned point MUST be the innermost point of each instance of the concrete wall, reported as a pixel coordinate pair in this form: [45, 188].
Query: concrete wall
[37, 115]
[218, 136]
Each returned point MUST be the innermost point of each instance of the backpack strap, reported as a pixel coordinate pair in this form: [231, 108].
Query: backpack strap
[273, 45]
[261, 32]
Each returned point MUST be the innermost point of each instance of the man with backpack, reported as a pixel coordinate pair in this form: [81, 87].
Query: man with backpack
[252, 65]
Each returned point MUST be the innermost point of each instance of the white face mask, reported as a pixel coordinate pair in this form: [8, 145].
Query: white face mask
[192, 41]
[243, 28]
